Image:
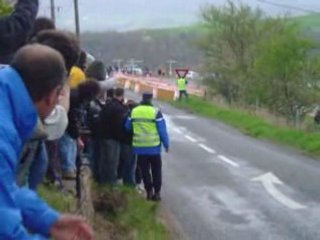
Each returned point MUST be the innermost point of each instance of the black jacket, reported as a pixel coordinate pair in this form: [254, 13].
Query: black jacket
[14, 29]
[112, 119]
[77, 115]
[93, 115]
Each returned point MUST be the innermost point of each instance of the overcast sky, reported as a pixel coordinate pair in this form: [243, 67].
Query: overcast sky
[121, 15]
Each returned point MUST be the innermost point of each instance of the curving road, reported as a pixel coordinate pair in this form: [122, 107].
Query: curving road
[220, 184]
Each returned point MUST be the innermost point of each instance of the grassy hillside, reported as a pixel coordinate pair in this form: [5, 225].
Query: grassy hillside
[311, 22]
[156, 46]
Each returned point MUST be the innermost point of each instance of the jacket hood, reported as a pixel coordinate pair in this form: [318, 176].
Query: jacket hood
[17, 104]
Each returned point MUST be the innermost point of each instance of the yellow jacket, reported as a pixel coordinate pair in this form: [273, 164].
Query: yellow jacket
[77, 76]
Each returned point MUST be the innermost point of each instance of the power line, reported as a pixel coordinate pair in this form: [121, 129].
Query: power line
[289, 7]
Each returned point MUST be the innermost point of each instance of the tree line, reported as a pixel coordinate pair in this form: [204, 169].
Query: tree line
[259, 60]
[153, 47]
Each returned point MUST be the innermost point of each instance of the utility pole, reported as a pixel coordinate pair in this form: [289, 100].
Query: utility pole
[118, 62]
[171, 62]
[53, 11]
[76, 15]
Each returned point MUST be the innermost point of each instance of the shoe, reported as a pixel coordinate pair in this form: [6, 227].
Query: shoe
[69, 175]
[149, 196]
[140, 189]
[156, 197]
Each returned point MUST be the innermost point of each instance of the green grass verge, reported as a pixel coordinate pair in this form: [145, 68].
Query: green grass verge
[57, 200]
[308, 142]
[135, 217]
[121, 213]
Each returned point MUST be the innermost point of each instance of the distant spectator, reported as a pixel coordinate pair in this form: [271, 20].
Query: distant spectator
[94, 141]
[55, 125]
[96, 70]
[80, 97]
[77, 74]
[112, 133]
[109, 71]
[63, 42]
[14, 29]
[30, 88]
[128, 160]
[34, 158]
[317, 117]
[110, 95]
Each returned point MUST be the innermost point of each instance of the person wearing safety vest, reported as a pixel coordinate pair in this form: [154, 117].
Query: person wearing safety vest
[182, 87]
[149, 135]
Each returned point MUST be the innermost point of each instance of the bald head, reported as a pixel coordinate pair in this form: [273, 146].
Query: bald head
[41, 68]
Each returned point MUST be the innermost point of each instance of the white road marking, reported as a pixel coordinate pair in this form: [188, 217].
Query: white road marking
[184, 117]
[191, 138]
[269, 180]
[177, 130]
[209, 150]
[182, 128]
[229, 161]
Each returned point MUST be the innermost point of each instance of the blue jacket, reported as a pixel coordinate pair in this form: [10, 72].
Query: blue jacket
[14, 29]
[162, 130]
[20, 208]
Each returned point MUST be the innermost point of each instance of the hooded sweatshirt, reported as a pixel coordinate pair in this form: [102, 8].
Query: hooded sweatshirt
[20, 208]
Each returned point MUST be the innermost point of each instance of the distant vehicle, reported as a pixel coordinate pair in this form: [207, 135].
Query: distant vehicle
[136, 70]
[192, 75]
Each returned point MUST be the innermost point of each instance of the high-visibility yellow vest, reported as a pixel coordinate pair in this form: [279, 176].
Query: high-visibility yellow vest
[182, 84]
[145, 133]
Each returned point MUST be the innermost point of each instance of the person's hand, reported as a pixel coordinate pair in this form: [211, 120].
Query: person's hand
[80, 144]
[167, 150]
[71, 227]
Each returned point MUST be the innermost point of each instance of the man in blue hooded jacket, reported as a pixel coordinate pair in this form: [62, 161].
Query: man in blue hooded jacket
[29, 88]
[14, 28]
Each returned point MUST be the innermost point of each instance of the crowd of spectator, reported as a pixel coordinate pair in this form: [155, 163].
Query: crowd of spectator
[55, 105]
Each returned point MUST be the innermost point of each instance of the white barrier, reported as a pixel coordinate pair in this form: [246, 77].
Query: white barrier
[137, 88]
[158, 88]
[155, 92]
[127, 84]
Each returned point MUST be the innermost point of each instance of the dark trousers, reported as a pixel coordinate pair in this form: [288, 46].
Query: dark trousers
[108, 162]
[183, 93]
[138, 174]
[92, 150]
[54, 168]
[127, 165]
[151, 167]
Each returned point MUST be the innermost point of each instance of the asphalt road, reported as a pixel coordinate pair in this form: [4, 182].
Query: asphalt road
[220, 184]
